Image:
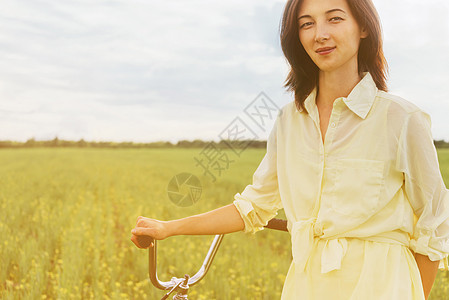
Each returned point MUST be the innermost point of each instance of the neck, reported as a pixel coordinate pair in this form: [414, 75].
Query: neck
[333, 85]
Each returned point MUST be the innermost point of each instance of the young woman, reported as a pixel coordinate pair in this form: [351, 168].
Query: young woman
[354, 168]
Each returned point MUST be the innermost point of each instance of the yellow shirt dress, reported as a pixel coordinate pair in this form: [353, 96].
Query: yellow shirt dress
[356, 204]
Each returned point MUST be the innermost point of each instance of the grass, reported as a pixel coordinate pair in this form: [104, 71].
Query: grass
[66, 216]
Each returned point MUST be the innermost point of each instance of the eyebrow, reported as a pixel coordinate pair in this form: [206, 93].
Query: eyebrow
[327, 12]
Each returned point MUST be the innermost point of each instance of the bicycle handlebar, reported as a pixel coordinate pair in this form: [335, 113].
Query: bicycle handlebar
[277, 224]
[145, 241]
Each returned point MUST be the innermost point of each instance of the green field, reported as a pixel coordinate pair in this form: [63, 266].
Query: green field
[66, 216]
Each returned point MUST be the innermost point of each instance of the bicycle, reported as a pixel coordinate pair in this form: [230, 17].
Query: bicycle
[182, 285]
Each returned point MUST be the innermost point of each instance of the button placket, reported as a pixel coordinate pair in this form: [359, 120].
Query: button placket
[333, 120]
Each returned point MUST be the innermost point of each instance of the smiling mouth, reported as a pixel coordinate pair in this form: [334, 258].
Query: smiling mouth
[325, 51]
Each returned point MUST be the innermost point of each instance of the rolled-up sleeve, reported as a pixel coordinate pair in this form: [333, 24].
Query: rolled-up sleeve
[424, 188]
[260, 201]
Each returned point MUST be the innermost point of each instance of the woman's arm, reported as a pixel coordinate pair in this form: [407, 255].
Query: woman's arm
[425, 190]
[428, 270]
[222, 220]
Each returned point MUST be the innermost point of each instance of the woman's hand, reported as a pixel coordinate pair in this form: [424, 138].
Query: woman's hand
[146, 227]
[428, 270]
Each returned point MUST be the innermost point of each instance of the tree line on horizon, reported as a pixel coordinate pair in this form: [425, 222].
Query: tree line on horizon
[56, 142]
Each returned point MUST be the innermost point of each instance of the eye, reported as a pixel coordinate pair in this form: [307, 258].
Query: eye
[336, 19]
[305, 25]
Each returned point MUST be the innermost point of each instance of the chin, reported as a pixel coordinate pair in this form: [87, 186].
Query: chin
[326, 68]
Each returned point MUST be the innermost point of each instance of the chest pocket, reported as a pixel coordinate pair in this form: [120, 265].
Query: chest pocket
[357, 187]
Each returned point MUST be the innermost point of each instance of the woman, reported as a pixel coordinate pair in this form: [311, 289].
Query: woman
[354, 168]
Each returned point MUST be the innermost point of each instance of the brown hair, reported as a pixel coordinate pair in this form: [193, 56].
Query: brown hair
[303, 75]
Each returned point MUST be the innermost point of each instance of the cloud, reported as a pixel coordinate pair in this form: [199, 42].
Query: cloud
[417, 49]
[150, 70]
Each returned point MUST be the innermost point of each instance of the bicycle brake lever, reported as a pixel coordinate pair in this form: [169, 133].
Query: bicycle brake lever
[171, 291]
[183, 284]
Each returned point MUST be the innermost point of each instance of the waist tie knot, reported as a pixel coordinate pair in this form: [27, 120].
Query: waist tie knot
[303, 234]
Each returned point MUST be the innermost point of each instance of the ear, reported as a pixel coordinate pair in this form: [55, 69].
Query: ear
[364, 33]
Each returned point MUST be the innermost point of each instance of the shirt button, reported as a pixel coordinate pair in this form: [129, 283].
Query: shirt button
[333, 125]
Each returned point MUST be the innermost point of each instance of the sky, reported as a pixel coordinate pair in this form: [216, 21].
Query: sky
[144, 71]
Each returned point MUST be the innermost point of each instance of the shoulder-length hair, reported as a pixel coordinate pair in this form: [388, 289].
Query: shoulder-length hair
[303, 75]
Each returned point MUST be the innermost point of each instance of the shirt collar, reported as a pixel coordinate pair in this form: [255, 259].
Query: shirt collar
[359, 101]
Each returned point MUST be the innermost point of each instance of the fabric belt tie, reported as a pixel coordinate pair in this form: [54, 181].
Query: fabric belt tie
[303, 234]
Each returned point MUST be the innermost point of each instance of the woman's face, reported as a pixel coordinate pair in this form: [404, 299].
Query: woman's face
[330, 34]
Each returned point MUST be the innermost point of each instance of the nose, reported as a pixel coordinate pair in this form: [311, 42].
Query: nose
[321, 33]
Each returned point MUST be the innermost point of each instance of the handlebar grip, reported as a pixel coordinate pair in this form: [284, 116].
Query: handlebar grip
[277, 224]
[144, 240]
